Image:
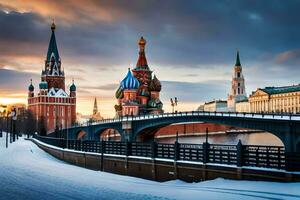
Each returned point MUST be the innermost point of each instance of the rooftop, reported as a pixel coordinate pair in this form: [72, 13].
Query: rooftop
[283, 89]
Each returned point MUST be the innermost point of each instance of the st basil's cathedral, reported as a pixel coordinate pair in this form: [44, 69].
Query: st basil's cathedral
[52, 106]
[138, 92]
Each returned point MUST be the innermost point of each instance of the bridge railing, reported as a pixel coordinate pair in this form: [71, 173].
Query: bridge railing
[265, 115]
[236, 155]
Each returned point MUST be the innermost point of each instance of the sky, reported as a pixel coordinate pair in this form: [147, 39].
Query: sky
[191, 46]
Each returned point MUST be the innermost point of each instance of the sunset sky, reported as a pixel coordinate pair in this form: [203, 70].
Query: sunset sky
[191, 46]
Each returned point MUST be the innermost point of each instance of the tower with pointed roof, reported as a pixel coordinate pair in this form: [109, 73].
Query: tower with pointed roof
[238, 91]
[96, 114]
[53, 105]
[95, 108]
[139, 91]
[53, 73]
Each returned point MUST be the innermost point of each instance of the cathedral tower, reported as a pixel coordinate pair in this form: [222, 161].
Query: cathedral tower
[53, 107]
[138, 93]
[238, 91]
[53, 73]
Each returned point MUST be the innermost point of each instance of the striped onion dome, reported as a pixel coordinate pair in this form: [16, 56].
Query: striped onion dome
[129, 82]
[119, 93]
[155, 84]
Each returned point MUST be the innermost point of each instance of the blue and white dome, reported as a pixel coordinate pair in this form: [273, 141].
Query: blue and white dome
[130, 82]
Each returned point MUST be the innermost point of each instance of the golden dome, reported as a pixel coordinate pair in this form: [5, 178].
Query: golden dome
[142, 41]
[53, 26]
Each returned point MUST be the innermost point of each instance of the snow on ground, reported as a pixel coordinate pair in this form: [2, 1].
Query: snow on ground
[27, 172]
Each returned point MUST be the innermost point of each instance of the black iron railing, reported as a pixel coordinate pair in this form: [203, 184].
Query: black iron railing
[238, 155]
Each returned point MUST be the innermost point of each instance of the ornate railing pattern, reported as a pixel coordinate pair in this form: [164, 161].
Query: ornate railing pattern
[238, 155]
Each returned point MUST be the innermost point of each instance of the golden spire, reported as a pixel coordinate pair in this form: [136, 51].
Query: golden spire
[53, 26]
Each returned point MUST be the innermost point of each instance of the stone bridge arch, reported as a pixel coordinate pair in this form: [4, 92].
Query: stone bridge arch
[278, 129]
[108, 134]
[81, 135]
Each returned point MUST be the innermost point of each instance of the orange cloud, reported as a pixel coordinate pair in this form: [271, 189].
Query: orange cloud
[68, 11]
[287, 56]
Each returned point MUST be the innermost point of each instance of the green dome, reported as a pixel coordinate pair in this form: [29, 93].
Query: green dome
[31, 88]
[43, 85]
[73, 88]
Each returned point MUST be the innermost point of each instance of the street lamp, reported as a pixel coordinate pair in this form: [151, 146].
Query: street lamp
[13, 123]
[173, 103]
[7, 115]
[2, 115]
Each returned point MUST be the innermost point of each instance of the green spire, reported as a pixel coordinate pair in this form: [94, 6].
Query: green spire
[238, 63]
[52, 46]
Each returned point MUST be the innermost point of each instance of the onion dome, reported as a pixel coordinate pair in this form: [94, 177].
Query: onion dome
[43, 85]
[142, 41]
[73, 87]
[142, 61]
[119, 93]
[155, 85]
[30, 87]
[130, 82]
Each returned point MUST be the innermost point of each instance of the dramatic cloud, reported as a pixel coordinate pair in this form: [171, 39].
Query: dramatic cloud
[191, 46]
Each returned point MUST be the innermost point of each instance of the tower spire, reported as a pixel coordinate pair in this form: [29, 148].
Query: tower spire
[237, 63]
[142, 61]
[53, 62]
[53, 26]
[95, 109]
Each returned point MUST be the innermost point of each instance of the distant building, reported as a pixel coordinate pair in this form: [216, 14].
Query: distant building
[53, 107]
[284, 99]
[200, 108]
[139, 91]
[19, 107]
[238, 91]
[96, 114]
[242, 106]
[215, 106]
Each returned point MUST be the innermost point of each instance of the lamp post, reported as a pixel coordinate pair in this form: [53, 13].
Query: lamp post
[13, 123]
[206, 136]
[2, 115]
[173, 103]
[7, 115]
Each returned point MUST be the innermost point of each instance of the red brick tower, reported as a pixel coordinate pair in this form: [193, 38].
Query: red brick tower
[53, 107]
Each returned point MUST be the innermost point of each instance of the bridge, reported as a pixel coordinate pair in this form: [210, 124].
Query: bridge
[285, 126]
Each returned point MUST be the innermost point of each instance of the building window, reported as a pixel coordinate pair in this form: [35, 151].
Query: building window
[239, 74]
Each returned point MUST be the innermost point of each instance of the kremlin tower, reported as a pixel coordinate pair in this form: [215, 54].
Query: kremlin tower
[53, 107]
[238, 91]
[138, 92]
